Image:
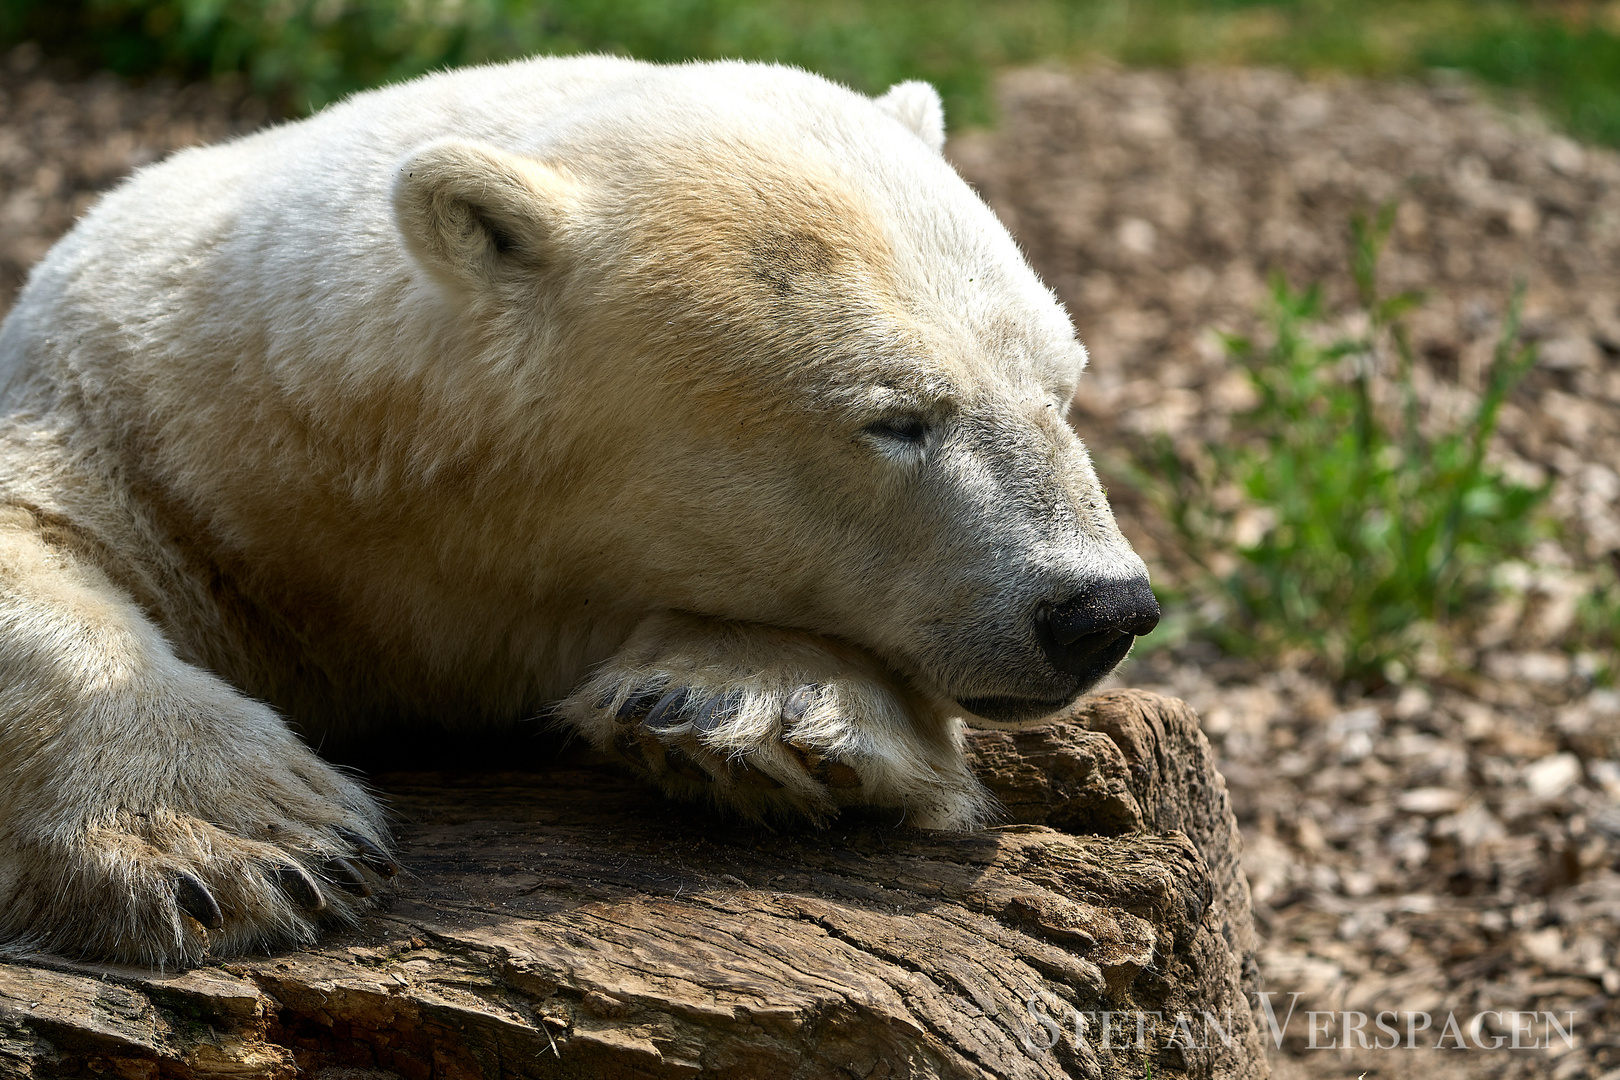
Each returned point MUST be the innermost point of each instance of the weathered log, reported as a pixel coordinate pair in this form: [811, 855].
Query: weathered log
[569, 923]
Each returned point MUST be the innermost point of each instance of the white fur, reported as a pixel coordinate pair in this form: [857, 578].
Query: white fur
[917, 105]
[543, 382]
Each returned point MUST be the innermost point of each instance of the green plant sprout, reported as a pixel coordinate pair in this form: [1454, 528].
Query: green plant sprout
[1369, 521]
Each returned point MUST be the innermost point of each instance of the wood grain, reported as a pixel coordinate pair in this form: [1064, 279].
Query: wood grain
[567, 922]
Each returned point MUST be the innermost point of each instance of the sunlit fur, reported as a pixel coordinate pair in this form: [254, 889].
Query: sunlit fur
[505, 387]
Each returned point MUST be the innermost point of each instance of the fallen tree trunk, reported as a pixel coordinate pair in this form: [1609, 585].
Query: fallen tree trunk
[569, 923]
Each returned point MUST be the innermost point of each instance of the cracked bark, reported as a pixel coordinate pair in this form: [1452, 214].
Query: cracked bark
[568, 923]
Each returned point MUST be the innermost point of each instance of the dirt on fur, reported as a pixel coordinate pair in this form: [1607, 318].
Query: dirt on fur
[1447, 846]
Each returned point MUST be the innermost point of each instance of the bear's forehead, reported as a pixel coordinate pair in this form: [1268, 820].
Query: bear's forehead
[773, 261]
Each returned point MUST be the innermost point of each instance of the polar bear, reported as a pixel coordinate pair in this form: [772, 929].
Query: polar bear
[703, 409]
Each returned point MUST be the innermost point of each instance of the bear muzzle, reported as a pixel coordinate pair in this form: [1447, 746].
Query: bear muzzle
[1089, 633]
[1084, 637]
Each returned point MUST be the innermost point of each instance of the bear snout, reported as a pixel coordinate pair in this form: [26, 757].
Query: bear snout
[1083, 636]
[1088, 633]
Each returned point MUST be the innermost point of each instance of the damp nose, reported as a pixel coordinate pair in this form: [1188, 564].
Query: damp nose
[1086, 634]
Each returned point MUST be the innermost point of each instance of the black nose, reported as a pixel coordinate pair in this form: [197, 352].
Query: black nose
[1090, 632]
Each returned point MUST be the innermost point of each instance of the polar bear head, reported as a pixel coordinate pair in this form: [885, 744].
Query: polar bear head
[748, 347]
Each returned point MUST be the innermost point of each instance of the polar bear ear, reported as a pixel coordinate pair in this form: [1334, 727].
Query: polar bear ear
[474, 213]
[917, 105]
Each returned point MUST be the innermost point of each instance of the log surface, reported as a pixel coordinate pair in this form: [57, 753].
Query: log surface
[568, 922]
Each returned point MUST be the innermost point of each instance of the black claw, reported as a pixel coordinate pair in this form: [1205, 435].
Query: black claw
[636, 705]
[681, 763]
[835, 774]
[807, 756]
[347, 876]
[717, 710]
[667, 713]
[798, 703]
[299, 887]
[370, 854]
[192, 897]
[747, 775]
[627, 744]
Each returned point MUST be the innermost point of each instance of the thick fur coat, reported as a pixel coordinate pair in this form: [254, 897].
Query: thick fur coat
[703, 408]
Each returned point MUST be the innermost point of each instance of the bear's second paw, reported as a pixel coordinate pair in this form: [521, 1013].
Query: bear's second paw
[804, 735]
[261, 858]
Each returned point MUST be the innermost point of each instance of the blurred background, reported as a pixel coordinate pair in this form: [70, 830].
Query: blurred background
[1349, 271]
[302, 54]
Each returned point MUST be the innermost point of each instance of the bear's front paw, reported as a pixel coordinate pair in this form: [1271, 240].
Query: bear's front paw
[259, 860]
[713, 711]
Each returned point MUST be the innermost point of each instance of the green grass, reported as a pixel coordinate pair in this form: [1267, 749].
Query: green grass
[1342, 520]
[305, 53]
[1599, 625]
[1572, 69]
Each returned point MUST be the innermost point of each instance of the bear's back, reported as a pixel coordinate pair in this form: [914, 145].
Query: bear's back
[264, 244]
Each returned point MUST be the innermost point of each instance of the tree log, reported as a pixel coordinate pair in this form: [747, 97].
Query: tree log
[567, 922]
